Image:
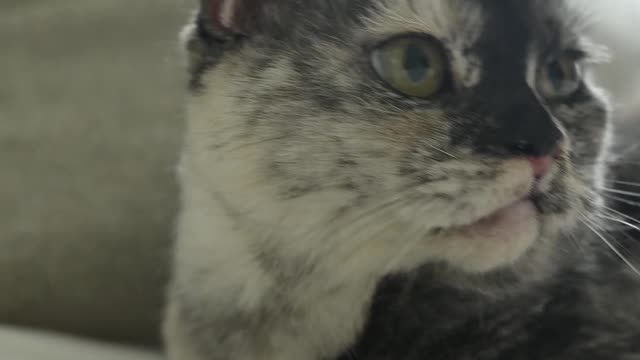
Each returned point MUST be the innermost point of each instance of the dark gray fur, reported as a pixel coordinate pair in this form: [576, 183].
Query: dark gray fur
[587, 306]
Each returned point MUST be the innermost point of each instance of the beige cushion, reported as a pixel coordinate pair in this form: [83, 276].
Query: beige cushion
[31, 345]
[90, 122]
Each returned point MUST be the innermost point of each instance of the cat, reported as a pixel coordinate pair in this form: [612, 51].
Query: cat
[395, 179]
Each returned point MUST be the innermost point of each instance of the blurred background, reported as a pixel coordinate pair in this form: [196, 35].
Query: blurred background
[90, 126]
[90, 123]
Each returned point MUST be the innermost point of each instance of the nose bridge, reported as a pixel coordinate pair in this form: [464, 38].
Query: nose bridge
[526, 125]
[515, 121]
[519, 124]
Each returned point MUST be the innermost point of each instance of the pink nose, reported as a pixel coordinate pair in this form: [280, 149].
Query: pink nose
[541, 165]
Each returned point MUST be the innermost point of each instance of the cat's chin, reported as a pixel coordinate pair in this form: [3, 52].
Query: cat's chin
[494, 241]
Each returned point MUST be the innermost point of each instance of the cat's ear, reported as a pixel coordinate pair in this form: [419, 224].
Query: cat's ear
[219, 25]
[231, 17]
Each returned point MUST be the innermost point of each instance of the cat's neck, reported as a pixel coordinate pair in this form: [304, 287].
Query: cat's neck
[315, 307]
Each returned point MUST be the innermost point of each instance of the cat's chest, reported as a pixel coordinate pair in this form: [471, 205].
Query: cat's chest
[322, 324]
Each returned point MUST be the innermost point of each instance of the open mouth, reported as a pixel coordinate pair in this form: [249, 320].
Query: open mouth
[506, 223]
[499, 239]
[512, 217]
[502, 222]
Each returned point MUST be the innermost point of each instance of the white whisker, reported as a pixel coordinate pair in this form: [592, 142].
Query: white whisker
[444, 152]
[622, 200]
[620, 221]
[621, 214]
[621, 192]
[619, 182]
[615, 162]
[591, 226]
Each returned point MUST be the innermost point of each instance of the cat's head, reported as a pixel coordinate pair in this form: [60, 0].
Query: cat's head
[388, 133]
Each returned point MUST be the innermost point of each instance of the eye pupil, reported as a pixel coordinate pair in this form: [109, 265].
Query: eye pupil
[416, 63]
[414, 66]
[556, 74]
[561, 77]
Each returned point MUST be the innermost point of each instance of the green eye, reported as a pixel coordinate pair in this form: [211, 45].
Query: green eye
[412, 65]
[560, 77]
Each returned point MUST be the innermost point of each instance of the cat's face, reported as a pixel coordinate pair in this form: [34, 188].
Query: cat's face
[398, 132]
